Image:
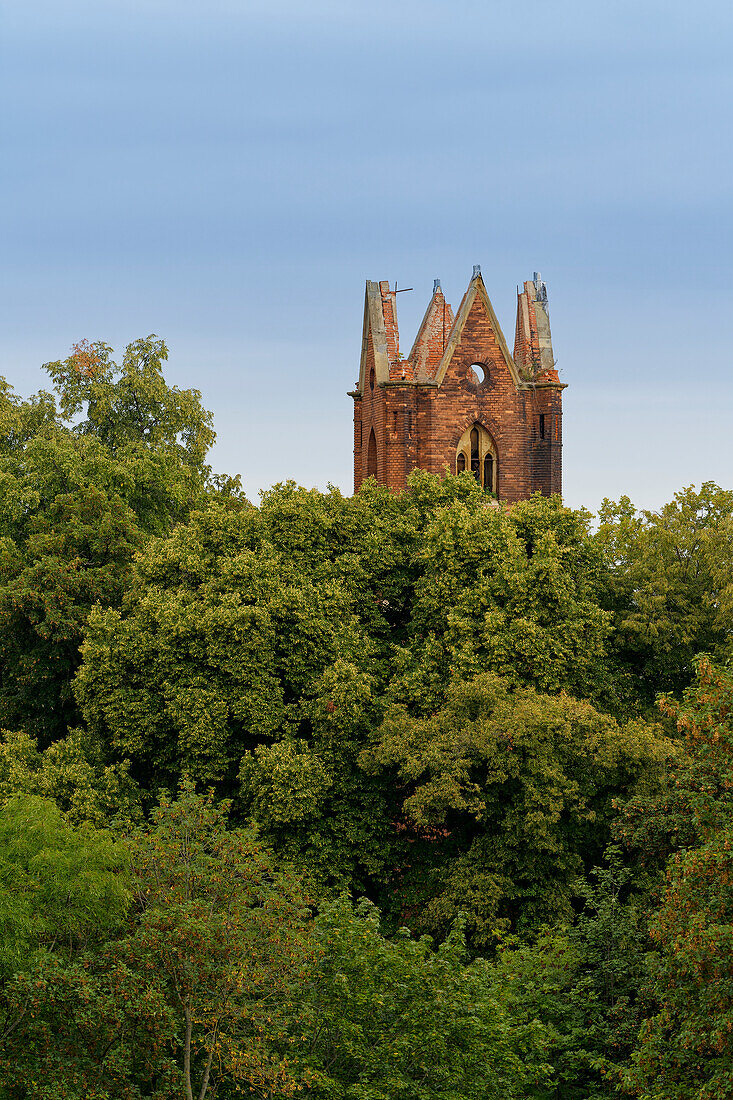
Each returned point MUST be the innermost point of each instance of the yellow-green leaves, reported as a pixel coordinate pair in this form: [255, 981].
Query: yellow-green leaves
[507, 793]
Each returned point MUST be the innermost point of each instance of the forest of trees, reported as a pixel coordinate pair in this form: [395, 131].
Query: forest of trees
[383, 797]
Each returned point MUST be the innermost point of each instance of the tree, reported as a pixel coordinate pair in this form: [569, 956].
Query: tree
[399, 1019]
[201, 972]
[255, 644]
[91, 1028]
[132, 404]
[62, 891]
[224, 934]
[79, 499]
[70, 548]
[686, 1049]
[513, 591]
[669, 585]
[506, 795]
[61, 886]
[190, 995]
[585, 983]
[72, 773]
[220, 645]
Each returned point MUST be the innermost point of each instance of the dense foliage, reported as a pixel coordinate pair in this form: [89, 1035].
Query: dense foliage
[374, 798]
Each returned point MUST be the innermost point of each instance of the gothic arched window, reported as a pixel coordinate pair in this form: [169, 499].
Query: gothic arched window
[489, 472]
[476, 451]
[475, 460]
[372, 455]
[372, 378]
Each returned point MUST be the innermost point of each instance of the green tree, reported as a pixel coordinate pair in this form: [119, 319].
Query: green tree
[79, 498]
[506, 797]
[220, 644]
[189, 996]
[669, 585]
[263, 645]
[60, 886]
[310, 798]
[21, 420]
[510, 590]
[686, 1048]
[586, 984]
[74, 774]
[62, 891]
[71, 549]
[400, 1020]
[200, 971]
[224, 934]
[131, 404]
[90, 1028]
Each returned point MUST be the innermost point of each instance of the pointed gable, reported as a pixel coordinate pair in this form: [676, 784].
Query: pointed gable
[476, 312]
[374, 348]
[432, 337]
[526, 344]
[389, 313]
[533, 342]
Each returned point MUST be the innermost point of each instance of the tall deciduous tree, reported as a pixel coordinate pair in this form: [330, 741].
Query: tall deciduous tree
[79, 498]
[506, 797]
[62, 891]
[686, 1049]
[264, 644]
[191, 996]
[74, 774]
[669, 585]
[131, 404]
[400, 1020]
[225, 937]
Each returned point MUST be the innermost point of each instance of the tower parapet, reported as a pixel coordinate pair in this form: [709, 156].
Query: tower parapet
[460, 401]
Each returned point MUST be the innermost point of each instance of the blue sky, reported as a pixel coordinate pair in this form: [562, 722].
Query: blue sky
[228, 174]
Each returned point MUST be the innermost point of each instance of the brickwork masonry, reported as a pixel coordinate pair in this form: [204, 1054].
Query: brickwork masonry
[410, 413]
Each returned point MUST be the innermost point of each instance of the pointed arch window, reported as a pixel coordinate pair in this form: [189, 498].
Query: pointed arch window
[476, 452]
[372, 455]
[475, 459]
[489, 471]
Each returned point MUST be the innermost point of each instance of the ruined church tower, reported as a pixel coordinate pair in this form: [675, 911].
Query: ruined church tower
[459, 400]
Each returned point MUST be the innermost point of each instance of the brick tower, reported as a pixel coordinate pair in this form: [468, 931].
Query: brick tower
[459, 400]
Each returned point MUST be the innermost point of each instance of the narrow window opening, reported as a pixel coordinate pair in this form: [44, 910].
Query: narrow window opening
[475, 463]
[489, 473]
[372, 378]
[461, 463]
[372, 455]
[409, 423]
[542, 425]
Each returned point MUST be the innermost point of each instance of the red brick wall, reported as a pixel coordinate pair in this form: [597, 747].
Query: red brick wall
[369, 414]
[418, 425]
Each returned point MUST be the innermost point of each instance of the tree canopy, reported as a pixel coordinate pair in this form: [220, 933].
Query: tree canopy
[79, 497]
[380, 797]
